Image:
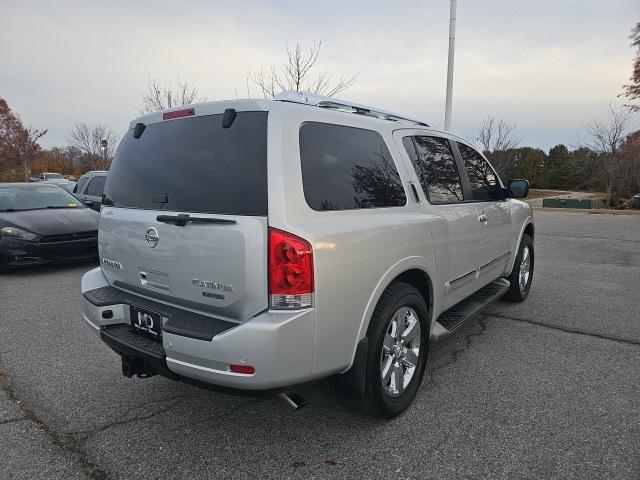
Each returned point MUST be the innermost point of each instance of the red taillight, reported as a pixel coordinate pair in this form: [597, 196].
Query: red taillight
[245, 369]
[179, 113]
[290, 270]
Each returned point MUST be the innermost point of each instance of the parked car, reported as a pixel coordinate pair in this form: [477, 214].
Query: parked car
[90, 187]
[51, 177]
[42, 223]
[254, 245]
[56, 179]
[68, 185]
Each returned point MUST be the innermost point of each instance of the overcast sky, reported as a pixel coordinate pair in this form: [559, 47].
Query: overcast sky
[548, 65]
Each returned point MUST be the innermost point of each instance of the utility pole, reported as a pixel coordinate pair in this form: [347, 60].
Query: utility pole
[452, 46]
[103, 144]
[26, 160]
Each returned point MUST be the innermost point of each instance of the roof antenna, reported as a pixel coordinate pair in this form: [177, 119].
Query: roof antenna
[229, 117]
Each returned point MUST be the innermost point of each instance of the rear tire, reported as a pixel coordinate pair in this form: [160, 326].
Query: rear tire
[522, 272]
[398, 344]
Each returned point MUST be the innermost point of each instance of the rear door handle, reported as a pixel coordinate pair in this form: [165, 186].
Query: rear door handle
[483, 218]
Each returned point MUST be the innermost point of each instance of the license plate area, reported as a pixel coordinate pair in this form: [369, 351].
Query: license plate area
[146, 322]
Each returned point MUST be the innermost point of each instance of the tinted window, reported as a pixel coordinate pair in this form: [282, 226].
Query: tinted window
[193, 165]
[436, 168]
[96, 186]
[346, 168]
[484, 184]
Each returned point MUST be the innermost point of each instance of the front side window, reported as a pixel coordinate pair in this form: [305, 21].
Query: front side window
[483, 180]
[345, 168]
[436, 168]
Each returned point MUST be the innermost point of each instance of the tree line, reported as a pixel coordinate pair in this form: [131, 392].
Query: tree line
[21, 156]
[608, 159]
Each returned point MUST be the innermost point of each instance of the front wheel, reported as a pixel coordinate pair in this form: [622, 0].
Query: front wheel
[398, 339]
[522, 272]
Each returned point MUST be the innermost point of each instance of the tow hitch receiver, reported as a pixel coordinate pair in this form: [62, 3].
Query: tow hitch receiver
[134, 366]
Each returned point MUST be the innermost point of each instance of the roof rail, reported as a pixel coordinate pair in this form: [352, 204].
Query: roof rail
[312, 99]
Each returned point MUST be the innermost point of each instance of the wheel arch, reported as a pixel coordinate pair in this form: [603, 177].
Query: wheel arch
[528, 227]
[415, 271]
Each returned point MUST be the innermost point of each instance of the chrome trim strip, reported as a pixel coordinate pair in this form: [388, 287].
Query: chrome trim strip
[494, 261]
[452, 284]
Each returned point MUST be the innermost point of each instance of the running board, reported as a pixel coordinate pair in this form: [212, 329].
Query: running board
[468, 308]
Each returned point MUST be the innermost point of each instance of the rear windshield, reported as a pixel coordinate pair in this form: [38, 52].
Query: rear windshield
[193, 165]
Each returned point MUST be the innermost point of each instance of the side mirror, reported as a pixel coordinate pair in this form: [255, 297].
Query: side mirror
[518, 188]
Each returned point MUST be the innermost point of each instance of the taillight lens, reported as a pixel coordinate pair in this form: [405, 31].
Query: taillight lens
[290, 271]
[187, 112]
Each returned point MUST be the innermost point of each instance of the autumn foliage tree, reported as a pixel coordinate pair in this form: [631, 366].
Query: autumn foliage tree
[18, 145]
[632, 89]
[630, 153]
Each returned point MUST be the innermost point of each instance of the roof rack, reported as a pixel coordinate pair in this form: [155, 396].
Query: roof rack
[343, 106]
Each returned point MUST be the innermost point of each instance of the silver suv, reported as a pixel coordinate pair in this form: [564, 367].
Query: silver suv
[256, 245]
[89, 188]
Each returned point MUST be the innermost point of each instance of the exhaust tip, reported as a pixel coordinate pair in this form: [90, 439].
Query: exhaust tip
[294, 400]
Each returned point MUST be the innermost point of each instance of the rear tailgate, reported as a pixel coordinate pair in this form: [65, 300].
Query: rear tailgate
[216, 175]
[217, 268]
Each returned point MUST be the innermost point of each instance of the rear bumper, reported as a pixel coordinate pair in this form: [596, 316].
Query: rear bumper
[279, 345]
[20, 253]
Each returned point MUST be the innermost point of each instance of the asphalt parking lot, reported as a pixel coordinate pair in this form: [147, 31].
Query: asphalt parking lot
[549, 388]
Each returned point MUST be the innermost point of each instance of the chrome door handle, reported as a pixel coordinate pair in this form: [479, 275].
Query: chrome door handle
[483, 218]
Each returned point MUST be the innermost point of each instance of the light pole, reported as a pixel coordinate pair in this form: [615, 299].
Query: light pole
[452, 46]
[103, 144]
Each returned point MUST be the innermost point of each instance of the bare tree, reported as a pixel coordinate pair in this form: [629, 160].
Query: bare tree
[90, 141]
[299, 72]
[499, 138]
[159, 96]
[498, 134]
[604, 137]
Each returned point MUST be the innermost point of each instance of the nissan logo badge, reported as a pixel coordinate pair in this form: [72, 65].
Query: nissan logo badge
[152, 237]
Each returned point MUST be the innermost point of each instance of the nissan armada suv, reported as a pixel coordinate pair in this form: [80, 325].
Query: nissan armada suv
[254, 245]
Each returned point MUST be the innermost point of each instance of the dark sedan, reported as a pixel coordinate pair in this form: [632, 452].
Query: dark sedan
[42, 223]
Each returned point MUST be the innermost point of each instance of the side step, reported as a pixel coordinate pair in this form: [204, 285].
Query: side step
[468, 308]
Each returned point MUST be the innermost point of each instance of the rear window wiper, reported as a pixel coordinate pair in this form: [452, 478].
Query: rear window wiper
[182, 219]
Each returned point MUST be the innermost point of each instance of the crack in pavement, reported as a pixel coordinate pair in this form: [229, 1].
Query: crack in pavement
[88, 434]
[624, 341]
[66, 442]
[74, 442]
[14, 420]
[482, 323]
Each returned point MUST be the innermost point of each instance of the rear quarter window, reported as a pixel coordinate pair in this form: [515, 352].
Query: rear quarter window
[346, 168]
[96, 186]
